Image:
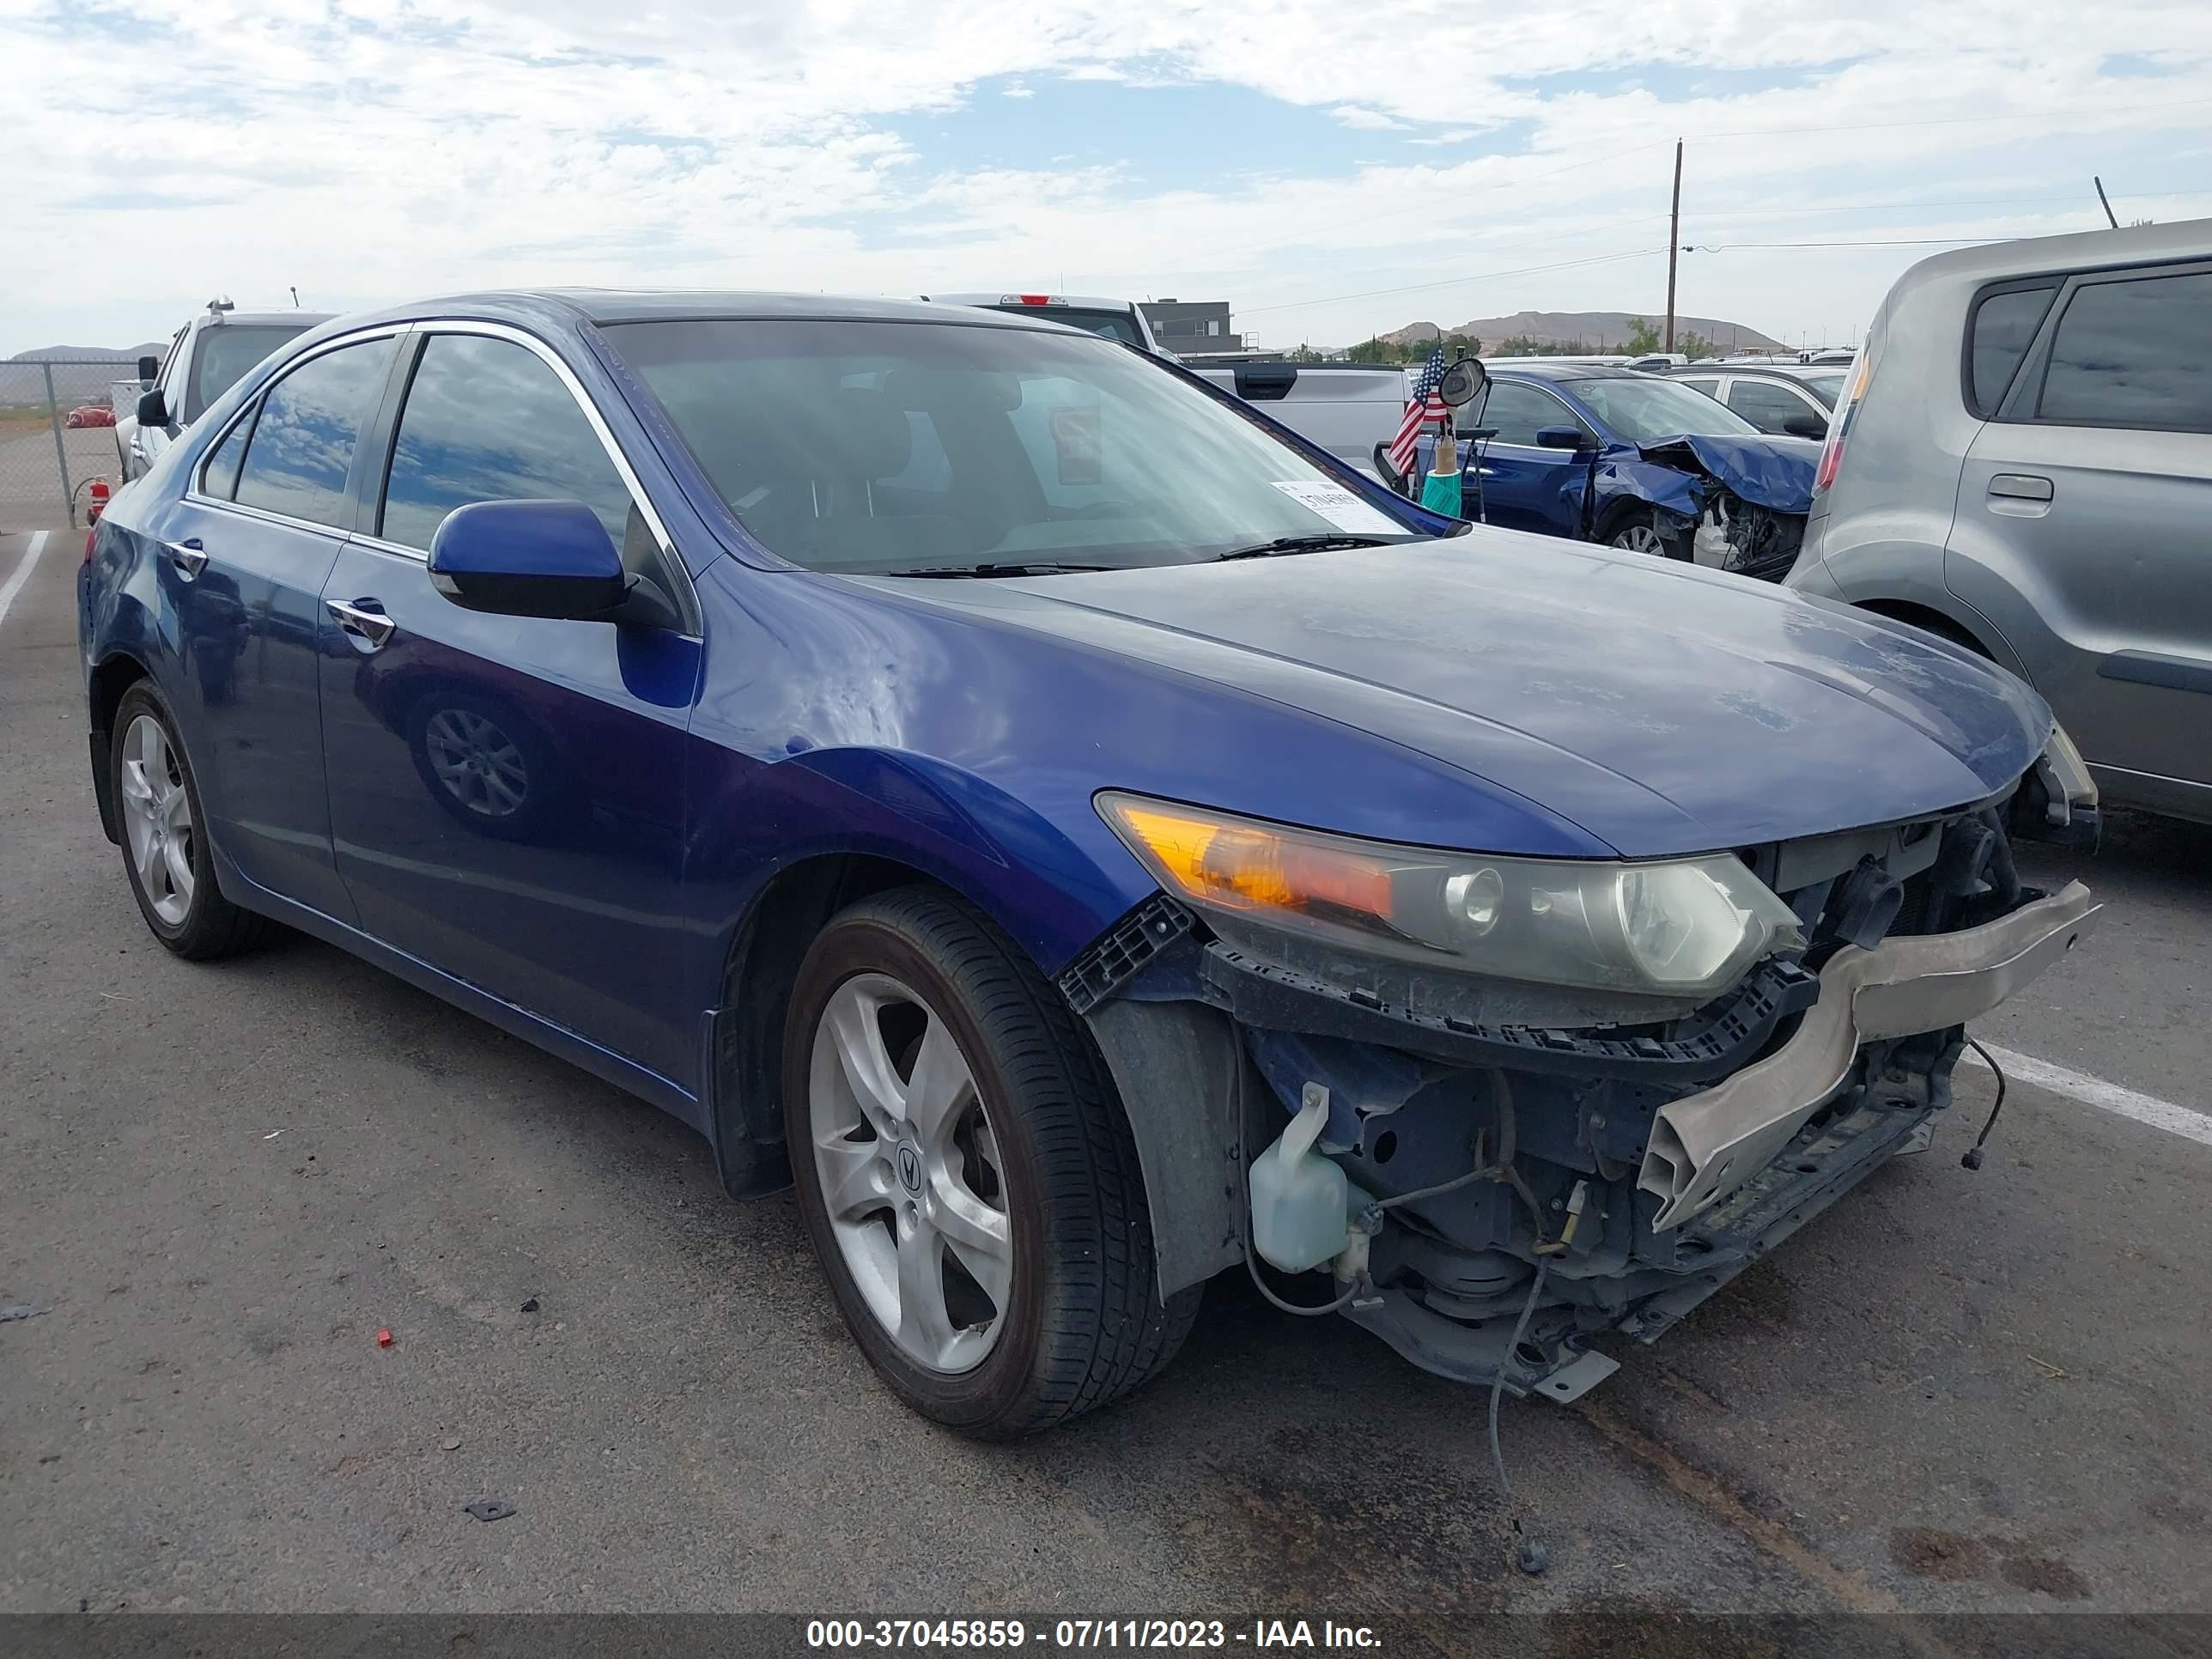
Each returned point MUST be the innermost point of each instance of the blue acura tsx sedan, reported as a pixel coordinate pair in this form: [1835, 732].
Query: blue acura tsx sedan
[1079, 834]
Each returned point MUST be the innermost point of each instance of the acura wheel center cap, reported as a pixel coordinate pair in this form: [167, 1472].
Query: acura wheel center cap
[908, 1160]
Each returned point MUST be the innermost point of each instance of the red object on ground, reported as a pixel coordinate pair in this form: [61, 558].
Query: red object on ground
[384, 1339]
[85, 414]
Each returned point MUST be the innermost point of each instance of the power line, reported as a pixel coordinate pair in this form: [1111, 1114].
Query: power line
[1911, 241]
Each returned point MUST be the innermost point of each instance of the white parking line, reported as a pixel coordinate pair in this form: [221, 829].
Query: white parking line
[2183, 1120]
[22, 573]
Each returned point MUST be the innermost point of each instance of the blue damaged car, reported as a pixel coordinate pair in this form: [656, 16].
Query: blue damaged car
[1082, 836]
[1608, 454]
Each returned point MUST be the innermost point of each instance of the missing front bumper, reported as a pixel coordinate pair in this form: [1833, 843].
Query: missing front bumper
[1709, 1144]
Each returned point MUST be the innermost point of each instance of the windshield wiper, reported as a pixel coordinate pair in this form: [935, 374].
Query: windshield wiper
[1030, 569]
[1301, 544]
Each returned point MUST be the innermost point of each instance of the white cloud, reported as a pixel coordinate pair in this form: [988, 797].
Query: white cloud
[373, 150]
[1016, 91]
[1352, 115]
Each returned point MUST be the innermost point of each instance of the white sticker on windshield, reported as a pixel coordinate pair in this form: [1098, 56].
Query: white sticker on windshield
[1341, 509]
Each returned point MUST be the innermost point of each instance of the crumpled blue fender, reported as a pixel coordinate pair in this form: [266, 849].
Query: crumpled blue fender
[1776, 473]
[1622, 476]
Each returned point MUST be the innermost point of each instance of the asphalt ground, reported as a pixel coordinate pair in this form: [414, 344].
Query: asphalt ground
[1956, 1392]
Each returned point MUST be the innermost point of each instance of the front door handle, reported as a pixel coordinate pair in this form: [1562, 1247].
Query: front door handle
[370, 628]
[187, 556]
[2020, 487]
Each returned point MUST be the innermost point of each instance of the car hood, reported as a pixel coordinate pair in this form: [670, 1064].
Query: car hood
[1769, 472]
[1660, 707]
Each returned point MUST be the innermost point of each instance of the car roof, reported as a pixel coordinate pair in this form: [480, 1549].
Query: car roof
[1540, 371]
[1087, 301]
[616, 305]
[2030, 255]
[266, 318]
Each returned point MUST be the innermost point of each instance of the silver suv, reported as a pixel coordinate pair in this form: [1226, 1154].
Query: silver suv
[205, 359]
[2023, 462]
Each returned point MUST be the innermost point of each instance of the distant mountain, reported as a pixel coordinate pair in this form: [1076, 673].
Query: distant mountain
[1597, 330]
[105, 354]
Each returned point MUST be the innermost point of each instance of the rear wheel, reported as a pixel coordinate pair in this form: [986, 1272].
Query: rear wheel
[164, 846]
[966, 1174]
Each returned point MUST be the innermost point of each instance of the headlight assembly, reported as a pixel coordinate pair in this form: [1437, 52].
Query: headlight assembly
[1680, 928]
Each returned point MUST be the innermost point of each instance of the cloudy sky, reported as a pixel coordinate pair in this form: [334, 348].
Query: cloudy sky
[1332, 167]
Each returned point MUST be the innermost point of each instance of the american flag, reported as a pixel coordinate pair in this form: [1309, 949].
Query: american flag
[1425, 405]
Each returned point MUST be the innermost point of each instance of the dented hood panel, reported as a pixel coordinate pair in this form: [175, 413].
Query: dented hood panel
[1771, 472]
[1660, 708]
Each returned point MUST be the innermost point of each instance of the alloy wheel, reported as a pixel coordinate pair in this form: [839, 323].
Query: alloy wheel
[1640, 538]
[157, 819]
[910, 1173]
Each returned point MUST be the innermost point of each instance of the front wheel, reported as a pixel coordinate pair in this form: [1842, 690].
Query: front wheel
[966, 1174]
[1644, 530]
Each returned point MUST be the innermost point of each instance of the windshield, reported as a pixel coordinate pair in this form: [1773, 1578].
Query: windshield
[875, 447]
[1114, 325]
[1645, 411]
[226, 351]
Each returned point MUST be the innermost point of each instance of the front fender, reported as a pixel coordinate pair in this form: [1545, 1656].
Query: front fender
[1622, 479]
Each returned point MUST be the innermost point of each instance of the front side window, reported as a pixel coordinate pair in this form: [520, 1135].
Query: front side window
[226, 353]
[1766, 405]
[2134, 354]
[487, 420]
[302, 445]
[1644, 410]
[219, 477]
[1519, 411]
[894, 446]
[2002, 329]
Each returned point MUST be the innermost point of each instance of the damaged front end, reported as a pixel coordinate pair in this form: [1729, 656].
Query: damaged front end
[1487, 1173]
[1738, 505]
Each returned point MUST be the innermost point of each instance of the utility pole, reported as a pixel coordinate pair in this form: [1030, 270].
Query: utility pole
[2105, 200]
[1673, 246]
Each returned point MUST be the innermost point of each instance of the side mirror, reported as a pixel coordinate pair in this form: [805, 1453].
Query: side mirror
[152, 410]
[1463, 382]
[149, 370]
[1806, 426]
[550, 559]
[1558, 437]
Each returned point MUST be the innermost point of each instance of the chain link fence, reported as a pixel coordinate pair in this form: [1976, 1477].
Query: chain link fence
[46, 460]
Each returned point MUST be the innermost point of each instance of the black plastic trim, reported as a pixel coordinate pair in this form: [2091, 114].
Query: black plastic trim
[1711, 1043]
[1116, 955]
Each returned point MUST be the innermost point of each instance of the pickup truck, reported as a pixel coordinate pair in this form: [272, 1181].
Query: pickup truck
[1345, 408]
[205, 359]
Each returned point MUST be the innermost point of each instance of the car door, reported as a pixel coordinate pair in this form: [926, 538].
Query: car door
[246, 549]
[507, 792]
[1524, 485]
[2081, 527]
[1771, 405]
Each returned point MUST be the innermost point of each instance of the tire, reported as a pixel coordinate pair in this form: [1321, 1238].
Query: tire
[164, 833]
[1072, 1320]
[1643, 529]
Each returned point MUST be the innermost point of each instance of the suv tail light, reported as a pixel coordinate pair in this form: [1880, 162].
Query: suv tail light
[1854, 390]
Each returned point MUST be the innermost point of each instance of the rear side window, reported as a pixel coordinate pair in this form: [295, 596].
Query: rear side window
[2136, 353]
[302, 445]
[486, 420]
[2002, 329]
[1705, 383]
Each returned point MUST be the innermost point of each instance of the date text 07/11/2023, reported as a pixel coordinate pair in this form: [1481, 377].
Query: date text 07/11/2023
[1078, 1634]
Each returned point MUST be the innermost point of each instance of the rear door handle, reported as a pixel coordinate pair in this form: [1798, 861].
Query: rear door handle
[187, 556]
[371, 627]
[2021, 486]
